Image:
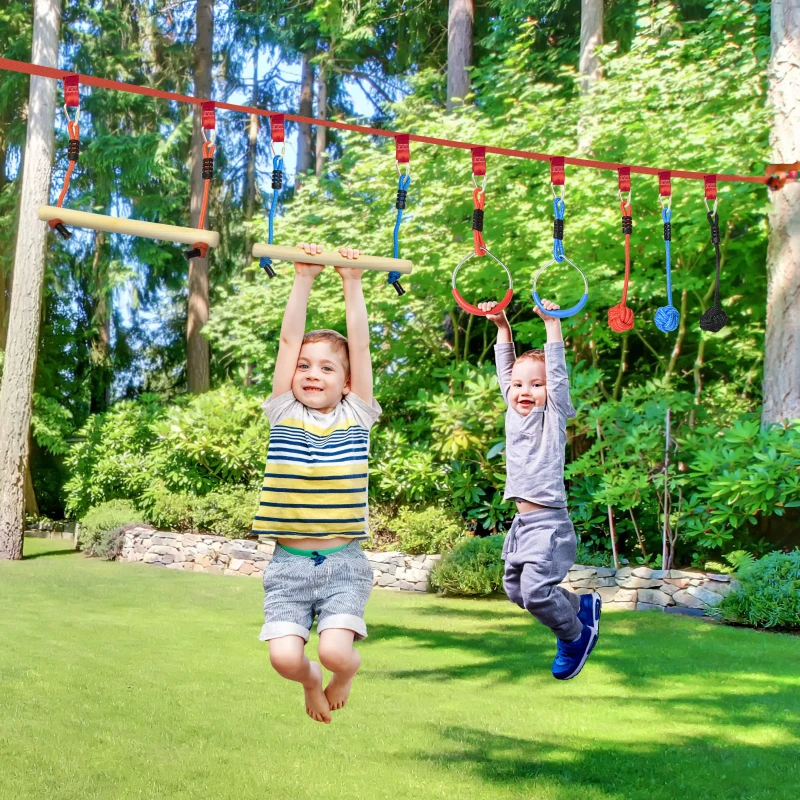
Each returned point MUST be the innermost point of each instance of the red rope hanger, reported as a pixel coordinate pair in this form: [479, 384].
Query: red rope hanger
[102, 83]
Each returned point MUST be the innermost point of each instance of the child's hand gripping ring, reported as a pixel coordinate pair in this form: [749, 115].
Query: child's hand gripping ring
[501, 306]
[561, 313]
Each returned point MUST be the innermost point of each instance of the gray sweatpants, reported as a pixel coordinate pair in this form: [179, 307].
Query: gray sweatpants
[538, 552]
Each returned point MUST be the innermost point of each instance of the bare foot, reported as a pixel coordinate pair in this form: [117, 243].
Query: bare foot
[337, 692]
[316, 702]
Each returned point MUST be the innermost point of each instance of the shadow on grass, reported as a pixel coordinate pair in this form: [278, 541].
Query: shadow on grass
[709, 766]
[642, 654]
[48, 553]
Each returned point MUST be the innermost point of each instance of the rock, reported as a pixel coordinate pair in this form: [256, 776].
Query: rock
[654, 597]
[626, 596]
[175, 566]
[721, 578]
[163, 549]
[267, 546]
[696, 582]
[623, 572]
[581, 573]
[680, 583]
[648, 607]
[223, 559]
[632, 582]
[704, 595]
[198, 567]
[247, 568]
[166, 558]
[668, 588]
[232, 573]
[404, 585]
[642, 572]
[139, 548]
[678, 573]
[722, 589]
[683, 598]
[386, 580]
[151, 558]
[238, 554]
[435, 558]
[621, 606]
[584, 584]
[214, 570]
[609, 593]
[235, 564]
[132, 557]
[606, 572]
[603, 582]
[201, 548]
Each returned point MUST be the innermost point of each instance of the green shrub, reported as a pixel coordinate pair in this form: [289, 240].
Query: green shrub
[769, 593]
[431, 530]
[226, 512]
[592, 558]
[473, 568]
[100, 531]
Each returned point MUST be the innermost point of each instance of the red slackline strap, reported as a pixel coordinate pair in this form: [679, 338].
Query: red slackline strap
[402, 150]
[276, 128]
[102, 83]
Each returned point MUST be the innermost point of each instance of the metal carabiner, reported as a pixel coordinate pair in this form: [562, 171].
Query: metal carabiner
[408, 168]
[563, 191]
[475, 183]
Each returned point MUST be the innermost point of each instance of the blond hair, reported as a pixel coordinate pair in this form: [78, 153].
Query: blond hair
[337, 342]
[537, 354]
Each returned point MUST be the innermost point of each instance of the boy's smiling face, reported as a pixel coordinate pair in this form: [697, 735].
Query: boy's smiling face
[528, 386]
[320, 378]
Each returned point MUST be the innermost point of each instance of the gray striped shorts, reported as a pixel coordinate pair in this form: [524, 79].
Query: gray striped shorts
[335, 592]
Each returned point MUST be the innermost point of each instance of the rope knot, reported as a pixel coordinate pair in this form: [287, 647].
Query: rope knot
[667, 318]
[620, 318]
[715, 319]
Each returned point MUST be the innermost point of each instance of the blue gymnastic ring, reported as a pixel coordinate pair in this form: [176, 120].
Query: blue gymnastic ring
[561, 313]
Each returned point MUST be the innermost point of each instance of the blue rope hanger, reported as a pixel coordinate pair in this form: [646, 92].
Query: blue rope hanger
[403, 183]
[667, 317]
[277, 183]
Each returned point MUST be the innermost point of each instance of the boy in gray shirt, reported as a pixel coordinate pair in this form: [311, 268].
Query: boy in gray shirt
[540, 547]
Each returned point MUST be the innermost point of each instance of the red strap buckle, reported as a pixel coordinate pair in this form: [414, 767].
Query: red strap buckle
[711, 186]
[402, 151]
[557, 176]
[276, 128]
[624, 174]
[207, 112]
[72, 97]
[478, 160]
[664, 184]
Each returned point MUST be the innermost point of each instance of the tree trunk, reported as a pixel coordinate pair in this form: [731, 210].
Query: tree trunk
[197, 351]
[782, 346]
[588, 63]
[306, 109]
[5, 277]
[250, 167]
[322, 113]
[459, 50]
[16, 394]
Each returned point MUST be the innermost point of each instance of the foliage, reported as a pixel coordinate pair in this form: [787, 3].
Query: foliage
[592, 558]
[197, 445]
[473, 568]
[226, 512]
[769, 593]
[428, 530]
[100, 528]
[737, 561]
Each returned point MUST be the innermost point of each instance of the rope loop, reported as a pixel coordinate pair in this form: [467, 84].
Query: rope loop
[620, 317]
[667, 317]
[714, 319]
[403, 182]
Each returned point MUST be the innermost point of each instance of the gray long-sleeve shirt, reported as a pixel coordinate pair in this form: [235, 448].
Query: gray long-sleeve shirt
[535, 444]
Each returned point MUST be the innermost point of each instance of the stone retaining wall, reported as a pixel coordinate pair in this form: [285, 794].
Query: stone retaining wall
[645, 589]
[630, 588]
[191, 552]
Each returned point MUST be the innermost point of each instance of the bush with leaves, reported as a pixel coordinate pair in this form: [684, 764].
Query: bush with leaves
[428, 530]
[768, 595]
[474, 568]
[100, 529]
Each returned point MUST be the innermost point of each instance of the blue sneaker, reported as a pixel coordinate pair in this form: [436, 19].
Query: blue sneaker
[589, 613]
[570, 657]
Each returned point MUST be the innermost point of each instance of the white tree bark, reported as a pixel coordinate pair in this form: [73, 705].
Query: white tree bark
[782, 347]
[460, 18]
[16, 394]
[305, 109]
[588, 62]
[322, 113]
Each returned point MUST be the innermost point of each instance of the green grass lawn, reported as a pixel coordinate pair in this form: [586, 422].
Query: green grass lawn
[124, 681]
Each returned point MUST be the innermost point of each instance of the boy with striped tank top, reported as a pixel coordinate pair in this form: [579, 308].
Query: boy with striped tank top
[314, 493]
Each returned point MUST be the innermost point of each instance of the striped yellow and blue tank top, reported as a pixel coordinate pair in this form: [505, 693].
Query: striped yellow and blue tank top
[316, 477]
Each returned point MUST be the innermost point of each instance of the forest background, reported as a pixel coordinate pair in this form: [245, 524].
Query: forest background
[139, 398]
